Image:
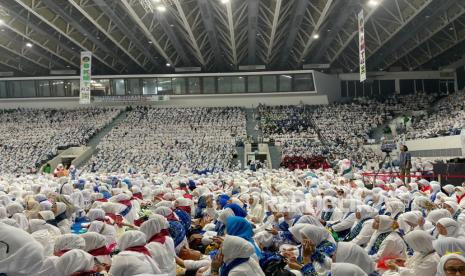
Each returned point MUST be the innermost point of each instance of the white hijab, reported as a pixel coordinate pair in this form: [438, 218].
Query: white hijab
[75, 260]
[67, 242]
[236, 247]
[20, 254]
[448, 245]
[316, 234]
[420, 241]
[453, 228]
[444, 260]
[346, 269]
[348, 252]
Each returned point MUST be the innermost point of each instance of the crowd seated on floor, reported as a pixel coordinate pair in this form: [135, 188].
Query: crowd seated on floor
[269, 222]
[172, 140]
[30, 137]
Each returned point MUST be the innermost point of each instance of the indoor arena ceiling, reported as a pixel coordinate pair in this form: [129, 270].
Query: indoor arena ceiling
[155, 36]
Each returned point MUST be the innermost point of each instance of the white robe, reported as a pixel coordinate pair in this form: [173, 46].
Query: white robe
[418, 264]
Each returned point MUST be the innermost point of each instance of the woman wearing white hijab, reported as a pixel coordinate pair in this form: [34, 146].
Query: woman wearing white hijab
[385, 242]
[346, 269]
[67, 242]
[424, 261]
[99, 224]
[160, 244]
[237, 259]
[451, 265]
[348, 252]
[409, 221]
[362, 230]
[96, 245]
[16, 212]
[342, 227]
[449, 245]
[45, 234]
[74, 261]
[20, 254]
[448, 227]
[323, 246]
[134, 257]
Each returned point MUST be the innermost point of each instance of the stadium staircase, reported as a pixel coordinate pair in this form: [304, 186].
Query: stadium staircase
[275, 156]
[251, 124]
[95, 140]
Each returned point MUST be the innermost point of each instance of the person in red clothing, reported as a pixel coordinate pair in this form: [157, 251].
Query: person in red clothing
[459, 193]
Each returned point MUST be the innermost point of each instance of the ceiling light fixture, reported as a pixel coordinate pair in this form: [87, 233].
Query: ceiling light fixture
[29, 45]
[161, 8]
[373, 3]
[224, 1]
[168, 65]
[2, 22]
[316, 36]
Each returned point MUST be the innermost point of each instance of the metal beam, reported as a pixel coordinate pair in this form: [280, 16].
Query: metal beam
[95, 17]
[350, 38]
[232, 37]
[439, 23]
[188, 29]
[316, 29]
[66, 14]
[445, 45]
[207, 18]
[348, 8]
[14, 62]
[274, 27]
[146, 31]
[409, 27]
[28, 29]
[299, 13]
[178, 46]
[43, 13]
[252, 30]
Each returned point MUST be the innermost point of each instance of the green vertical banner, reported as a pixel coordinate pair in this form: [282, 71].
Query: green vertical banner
[361, 44]
[84, 85]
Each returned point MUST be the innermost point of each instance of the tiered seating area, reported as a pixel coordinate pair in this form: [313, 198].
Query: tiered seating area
[447, 119]
[29, 137]
[173, 139]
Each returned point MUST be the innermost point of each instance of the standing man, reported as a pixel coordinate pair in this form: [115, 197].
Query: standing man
[405, 163]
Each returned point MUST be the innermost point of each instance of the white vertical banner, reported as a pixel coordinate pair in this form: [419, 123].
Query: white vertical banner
[361, 46]
[84, 85]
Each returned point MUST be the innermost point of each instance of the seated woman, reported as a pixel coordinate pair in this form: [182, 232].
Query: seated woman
[346, 269]
[240, 227]
[362, 229]
[102, 225]
[160, 244]
[77, 262]
[424, 261]
[236, 259]
[385, 242]
[134, 257]
[351, 253]
[451, 265]
[317, 246]
[96, 245]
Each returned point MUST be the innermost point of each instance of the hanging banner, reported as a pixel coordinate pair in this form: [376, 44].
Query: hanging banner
[84, 86]
[361, 43]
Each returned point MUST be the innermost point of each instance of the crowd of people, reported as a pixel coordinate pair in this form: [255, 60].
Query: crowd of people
[30, 137]
[172, 140]
[268, 222]
[448, 118]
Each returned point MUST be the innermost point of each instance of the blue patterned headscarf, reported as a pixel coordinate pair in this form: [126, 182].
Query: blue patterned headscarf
[240, 227]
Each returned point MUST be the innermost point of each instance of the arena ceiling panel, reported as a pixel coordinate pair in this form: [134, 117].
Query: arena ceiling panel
[155, 36]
